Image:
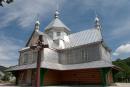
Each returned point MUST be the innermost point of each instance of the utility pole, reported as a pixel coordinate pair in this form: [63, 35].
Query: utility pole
[39, 47]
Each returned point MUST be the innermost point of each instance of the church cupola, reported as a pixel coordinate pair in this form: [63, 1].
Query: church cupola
[56, 14]
[97, 22]
[57, 29]
[37, 25]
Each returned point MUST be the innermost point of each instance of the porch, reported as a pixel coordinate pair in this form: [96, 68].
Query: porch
[67, 77]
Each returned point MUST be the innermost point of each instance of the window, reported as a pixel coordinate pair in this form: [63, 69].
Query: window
[58, 33]
[84, 54]
[34, 57]
[50, 34]
[25, 58]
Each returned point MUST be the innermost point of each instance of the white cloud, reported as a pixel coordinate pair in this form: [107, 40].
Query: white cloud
[25, 12]
[122, 51]
[125, 48]
[8, 50]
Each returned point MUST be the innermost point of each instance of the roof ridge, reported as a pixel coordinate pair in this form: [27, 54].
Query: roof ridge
[83, 31]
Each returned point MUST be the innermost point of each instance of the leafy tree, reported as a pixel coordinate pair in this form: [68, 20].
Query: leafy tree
[127, 60]
[5, 1]
[7, 76]
[123, 76]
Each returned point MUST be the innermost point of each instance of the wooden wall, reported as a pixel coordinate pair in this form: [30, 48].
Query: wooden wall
[80, 54]
[105, 54]
[24, 77]
[75, 77]
[52, 77]
[88, 76]
[50, 56]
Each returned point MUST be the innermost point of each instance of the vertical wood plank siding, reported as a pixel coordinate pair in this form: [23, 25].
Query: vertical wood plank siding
[52, 77]
[50, 56]
[88, 76]
[33, 39]
[80, 54]
[31, 57]
[24, 77]
[105, 54]
[74, 77]
[28, 80]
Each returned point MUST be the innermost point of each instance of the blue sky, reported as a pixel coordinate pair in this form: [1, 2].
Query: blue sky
[17, 23]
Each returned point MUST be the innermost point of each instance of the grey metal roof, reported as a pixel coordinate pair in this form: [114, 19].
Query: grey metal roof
[22, 67]
[46, 39]
[75, 39]
[94, 64]
[49, 65]
[83, 37]
[36, 32]
[57, 23]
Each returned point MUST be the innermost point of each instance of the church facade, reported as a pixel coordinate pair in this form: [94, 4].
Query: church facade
[71, 59]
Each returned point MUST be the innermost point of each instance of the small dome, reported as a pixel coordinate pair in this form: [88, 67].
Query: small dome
[97, 19]
[57, 14]
[37, 22]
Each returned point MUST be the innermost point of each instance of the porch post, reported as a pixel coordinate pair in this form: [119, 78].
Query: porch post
[104, 72]
[42, 74]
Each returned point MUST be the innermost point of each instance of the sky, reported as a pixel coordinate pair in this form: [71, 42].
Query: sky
[17, 22]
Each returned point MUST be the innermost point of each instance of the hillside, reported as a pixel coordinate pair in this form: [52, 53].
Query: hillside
[2, 68]
[127, 60]
[123, 76]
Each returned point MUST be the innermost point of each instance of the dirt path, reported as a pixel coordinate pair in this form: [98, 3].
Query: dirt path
[118, 85]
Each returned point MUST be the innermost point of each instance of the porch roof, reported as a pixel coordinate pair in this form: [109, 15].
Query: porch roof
[48, 65]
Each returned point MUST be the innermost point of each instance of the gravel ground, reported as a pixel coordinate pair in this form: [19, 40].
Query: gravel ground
[117, 85]
[122, 85]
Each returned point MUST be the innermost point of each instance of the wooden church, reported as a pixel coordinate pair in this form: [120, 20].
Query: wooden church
[72, 58]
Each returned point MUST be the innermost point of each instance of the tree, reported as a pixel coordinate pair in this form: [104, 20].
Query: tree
[5, 1]
[123, 76]
[7, 76]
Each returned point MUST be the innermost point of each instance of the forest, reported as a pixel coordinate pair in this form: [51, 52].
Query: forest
[124, 74]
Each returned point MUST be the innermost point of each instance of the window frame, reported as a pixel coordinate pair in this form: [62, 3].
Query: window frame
[58, 33]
